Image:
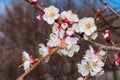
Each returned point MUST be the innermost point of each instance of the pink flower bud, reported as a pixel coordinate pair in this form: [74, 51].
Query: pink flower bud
[107, 32]
[40, 17]
[119, 54]
[117, 61]
[32, 60]
[107, 35]
[66, 20]
[33, 2]
[71, 22]
[72, 36]
[108, 39]
[48, 47]
[58, 27]
[95, 52]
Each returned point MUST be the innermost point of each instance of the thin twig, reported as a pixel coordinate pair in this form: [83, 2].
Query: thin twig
[86, 77]
[39, 7]
[37, 63]
[104, 47]
[99, 12]
[110, 8]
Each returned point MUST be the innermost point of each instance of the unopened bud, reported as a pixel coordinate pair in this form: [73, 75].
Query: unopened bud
[107, 35]
[66, 20]
[33, 2]
[107, 31]
[32, 60]
[117, 61]
[119, 54]
[40, 17]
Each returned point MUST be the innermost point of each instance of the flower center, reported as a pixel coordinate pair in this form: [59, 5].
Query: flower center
[87, 67]
[95, 64]
[88, 26]
[52, 14]
[63, 44]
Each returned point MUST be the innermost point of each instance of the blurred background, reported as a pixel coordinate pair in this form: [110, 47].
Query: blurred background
[21, 31]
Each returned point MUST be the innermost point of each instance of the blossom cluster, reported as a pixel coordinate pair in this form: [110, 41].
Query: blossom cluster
[66, 18]
[64, 29]
[92, 63]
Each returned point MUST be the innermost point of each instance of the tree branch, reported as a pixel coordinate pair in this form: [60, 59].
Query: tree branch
[99, 12]
[37, 63]
[39, 7]
[110, 8]
[104, 46]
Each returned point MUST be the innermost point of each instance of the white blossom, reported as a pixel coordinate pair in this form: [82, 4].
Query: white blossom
[83, 68]
[89, 53]
[71, 40]
[43, 50]
[87, 25]
[70, 16]
[54, 40]
[69, 52]
[51, 14]
[96, 65]
[69, 46]
[92, 62]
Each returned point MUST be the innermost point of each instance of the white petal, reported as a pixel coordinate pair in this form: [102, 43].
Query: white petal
[76, 48]
[88, 33]
[94, 36]
[82, 68]
[70, 31]
[101, 63]
[80, 78]
[70, 53]
[26, 55]
[61, 33]
[102, 52]
[64, 51]
[63, 14]
[26, 65]
[51, 13]
[84, 62]
[92, 50]
[46, 60]
[50, 21]
[76, 27]
[85, 37]
[102, 72]
[64, 25]
[43, 50]
[85, 72]
[93, 73]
